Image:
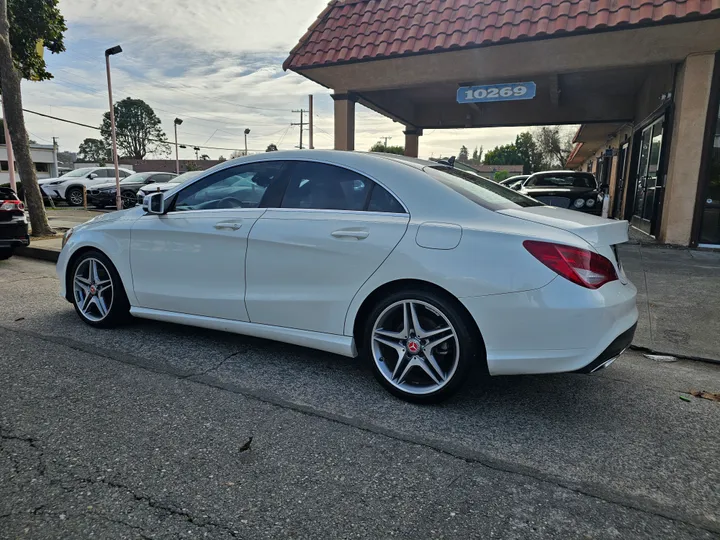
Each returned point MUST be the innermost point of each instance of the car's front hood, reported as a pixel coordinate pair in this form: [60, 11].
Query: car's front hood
[153, 188]
[103, 219]
[103, 186]
[47, 181]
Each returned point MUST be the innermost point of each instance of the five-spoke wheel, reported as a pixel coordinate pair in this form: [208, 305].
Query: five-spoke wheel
[420, 345]
[97, 293]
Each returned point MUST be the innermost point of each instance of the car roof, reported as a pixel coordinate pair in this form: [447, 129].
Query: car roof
[561, 172]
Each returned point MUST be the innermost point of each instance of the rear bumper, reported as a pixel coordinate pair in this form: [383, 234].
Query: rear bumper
[14, 235]
[558, 328]
[615, 349]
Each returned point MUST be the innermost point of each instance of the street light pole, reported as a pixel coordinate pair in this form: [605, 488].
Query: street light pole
[108, 53]
[177, 122]
[246, 134]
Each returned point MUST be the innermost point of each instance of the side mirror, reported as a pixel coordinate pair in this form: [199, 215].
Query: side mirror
[154, 203]
[92, 176]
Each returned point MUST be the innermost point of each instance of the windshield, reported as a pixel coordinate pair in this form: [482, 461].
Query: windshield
[480, 190]
[565, 180]
[183, 177]
[136, 178]
[79, 172]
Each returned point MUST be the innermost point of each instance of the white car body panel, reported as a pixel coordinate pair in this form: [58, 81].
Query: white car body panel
[180, 248]
[311, 262]
[305, 286]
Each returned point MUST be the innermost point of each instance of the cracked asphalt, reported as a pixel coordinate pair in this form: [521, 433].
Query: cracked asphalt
[141, 433]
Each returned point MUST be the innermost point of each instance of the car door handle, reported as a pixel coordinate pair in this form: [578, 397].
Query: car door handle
[359, 234]
[228, 225]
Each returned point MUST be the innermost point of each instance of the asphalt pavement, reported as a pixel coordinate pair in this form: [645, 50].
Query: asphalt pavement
[143, 432]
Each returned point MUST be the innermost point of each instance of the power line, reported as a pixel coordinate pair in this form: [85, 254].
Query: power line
[151, 140]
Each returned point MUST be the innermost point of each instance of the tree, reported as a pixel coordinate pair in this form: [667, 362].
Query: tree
[380, 147]
[24, 24]
[463, 155]
[138, 129]
[94, 151]
[506, 154]
[530, 155]
[204, 156]
[66, 158]
[555, 143]
[499, 176]
[237, 154]
[221, 159]
[272, 147]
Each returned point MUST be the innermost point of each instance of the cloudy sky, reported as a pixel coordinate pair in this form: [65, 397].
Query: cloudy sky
[216, 65]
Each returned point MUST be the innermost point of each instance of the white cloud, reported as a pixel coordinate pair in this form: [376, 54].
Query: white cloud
[215, 64]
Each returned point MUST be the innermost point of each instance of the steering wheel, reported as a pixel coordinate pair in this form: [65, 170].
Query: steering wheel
[229, 202]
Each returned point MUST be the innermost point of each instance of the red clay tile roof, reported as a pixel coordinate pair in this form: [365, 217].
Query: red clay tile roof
[355, 30]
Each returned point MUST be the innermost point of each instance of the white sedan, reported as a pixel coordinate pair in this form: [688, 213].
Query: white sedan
[422, 269]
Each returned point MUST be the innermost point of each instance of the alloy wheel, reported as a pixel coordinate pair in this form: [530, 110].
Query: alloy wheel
[93, 289]
[75, 197]
[415, 347]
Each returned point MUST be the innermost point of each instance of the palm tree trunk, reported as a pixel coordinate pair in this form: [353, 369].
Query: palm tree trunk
[10, 83]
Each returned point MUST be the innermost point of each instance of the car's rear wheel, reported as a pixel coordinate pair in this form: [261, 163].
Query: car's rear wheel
[74, 196]
[5, 253]
[421, 345]
[97, 291]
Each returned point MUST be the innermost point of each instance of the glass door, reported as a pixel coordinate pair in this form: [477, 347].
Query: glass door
[620, 181]
[710, 224]
[648, 187]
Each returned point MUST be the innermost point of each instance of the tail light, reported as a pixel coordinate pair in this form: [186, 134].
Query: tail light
[9, 206]
[581, 266]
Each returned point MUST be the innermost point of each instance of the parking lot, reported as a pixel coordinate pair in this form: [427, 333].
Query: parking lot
[144, 432]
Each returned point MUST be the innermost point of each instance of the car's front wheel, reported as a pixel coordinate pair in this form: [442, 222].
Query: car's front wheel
[74, 196]
[5, 253]
[421, 345]
[97, 292]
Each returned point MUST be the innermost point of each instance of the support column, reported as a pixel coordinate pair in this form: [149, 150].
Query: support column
[344, 121]
[692, 99]
[412, 141]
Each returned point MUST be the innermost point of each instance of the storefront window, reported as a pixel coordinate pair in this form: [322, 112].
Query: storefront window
[710, 226]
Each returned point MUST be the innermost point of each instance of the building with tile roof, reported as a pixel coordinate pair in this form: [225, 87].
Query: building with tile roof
[641, 76]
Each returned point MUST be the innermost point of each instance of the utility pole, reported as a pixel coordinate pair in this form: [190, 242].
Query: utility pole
[56, 172]
[301, 124]
[386, 140]
[311, 122]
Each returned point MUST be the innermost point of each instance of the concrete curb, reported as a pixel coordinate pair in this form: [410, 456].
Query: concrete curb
[38, 253]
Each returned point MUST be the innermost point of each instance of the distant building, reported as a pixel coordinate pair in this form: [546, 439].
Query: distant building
[42, 156]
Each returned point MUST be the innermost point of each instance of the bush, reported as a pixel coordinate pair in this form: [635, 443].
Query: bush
[501, 175]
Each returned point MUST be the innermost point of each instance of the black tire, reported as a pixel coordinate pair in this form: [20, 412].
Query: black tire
[471, 348]
[74, 196]
[129, 199]
[118, 311]
[6, 253]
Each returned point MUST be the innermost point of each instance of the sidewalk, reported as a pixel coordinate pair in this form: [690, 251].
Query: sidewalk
[678, 299]
[678, 290]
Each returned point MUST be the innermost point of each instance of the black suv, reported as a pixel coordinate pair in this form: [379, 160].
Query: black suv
[104, 194]
[565, 189]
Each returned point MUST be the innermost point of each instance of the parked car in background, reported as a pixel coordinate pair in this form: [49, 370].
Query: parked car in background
[13, 223]
[564, 189]
[164, 186]
[424, 270]
[69, 187]
[104, 194]
[509, 182]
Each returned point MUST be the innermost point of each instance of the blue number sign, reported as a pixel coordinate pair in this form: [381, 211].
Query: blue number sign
[496, 92]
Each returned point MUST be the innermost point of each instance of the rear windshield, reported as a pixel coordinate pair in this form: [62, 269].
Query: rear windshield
[7, 194]
[480, 190]
[562, 180]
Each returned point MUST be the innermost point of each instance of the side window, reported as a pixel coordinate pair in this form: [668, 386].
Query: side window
[236, 187]
[102, 173]
[319, 186]
[382, 201]
[123, 174]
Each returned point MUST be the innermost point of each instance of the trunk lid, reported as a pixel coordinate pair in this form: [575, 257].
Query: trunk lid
[595, 230]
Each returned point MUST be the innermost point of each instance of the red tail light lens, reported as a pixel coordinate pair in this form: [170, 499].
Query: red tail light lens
[9, 206]
[581, 266]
